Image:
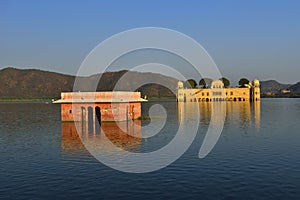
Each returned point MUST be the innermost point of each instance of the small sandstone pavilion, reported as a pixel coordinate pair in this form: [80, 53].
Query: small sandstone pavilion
[100, 106]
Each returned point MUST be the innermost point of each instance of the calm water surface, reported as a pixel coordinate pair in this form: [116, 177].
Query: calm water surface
[257, 156]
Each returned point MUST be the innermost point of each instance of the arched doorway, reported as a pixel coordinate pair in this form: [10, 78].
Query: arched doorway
[90, 119]
[97, 118]
[83, 114]
[98, 114]
[83, 118]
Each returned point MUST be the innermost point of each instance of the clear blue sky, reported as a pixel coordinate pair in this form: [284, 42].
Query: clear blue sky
[257, 38]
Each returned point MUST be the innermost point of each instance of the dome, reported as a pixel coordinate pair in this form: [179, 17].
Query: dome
[217, 84]
[180, 84]
[256, 83]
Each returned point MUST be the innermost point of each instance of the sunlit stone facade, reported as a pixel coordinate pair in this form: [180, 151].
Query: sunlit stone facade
[101, 106]
[217, 92]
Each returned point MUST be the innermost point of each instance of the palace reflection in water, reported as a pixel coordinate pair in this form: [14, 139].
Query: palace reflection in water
[128, 135]
[239, 113]
[116, 132]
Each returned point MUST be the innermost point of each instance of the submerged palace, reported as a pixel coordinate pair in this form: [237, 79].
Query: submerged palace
[217, 92]
[100, 106]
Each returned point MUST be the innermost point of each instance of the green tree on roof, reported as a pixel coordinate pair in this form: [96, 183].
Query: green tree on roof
[225, 81]
[191, 83]
[243, 82]
[205, 81]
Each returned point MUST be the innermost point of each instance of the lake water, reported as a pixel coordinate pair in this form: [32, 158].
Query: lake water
[256, 156]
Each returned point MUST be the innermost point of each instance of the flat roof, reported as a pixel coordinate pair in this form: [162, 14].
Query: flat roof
[102, 100]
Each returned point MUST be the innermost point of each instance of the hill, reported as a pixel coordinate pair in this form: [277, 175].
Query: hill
[32, 83]
[295, 87]
[273, 86]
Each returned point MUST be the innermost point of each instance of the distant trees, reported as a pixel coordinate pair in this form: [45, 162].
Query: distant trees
[191, 83]
[243, 82]
[225, 81]
[204, 82]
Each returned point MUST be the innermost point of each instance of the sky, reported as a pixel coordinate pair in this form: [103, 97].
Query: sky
[253, 39]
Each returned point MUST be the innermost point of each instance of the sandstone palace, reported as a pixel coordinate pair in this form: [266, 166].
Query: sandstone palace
[217, 92]
[100, 106]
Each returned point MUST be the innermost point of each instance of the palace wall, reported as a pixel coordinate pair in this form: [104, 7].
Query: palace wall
[217, 92]
[101, 106]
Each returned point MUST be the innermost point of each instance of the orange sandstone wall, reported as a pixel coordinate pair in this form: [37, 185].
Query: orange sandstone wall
[100, 95]
[108, 111]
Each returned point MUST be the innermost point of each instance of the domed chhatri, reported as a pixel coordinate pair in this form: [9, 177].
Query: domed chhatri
[217, 84]
[256, 83]
[217, 92]
[180, 85]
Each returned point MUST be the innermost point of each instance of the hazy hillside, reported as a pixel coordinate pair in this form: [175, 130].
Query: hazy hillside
[295, 87]
[32, 83]
[273, 86]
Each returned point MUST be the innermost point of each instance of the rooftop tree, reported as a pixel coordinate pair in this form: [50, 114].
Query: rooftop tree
[191, 83]
[243, 82]
[225, 81]
[205, 81]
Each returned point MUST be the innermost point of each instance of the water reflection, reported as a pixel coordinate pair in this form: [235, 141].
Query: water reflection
[118, 133]
[256, 111]
[242, 114]
[70, 138]
[102, 139]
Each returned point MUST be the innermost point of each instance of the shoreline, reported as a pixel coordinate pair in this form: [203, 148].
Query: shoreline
[20, 100]
[49, 100]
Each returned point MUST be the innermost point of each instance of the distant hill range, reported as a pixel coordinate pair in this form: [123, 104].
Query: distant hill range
[33, 83]
[274, 88]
